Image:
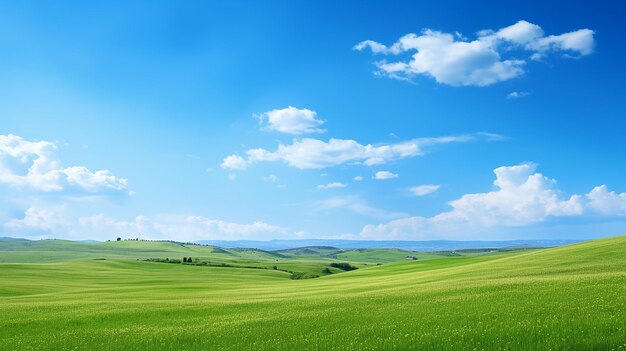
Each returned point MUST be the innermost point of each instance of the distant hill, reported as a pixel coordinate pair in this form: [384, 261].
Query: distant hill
[434, 245]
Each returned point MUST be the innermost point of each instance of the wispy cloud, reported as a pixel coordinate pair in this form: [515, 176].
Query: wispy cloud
[517, 94]
[332, 185]
[423, 190]
[384, 175]
[356, 205]
[308, 153]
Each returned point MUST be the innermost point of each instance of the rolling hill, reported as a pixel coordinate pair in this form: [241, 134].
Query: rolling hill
[570, 297]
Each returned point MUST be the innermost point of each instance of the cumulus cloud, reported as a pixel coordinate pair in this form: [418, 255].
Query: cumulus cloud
[234, 162]
[34, 165]
[308, 153]
[291, 120]
[579, 42]
[358, 178]
[383, 175]
[332, 185]
[56, 222]
[606, 202]
[521, 197]
[521, 33]
[423, 190]
[41, 220]
[492, 57]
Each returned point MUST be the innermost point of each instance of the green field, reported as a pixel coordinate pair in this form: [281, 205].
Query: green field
[61, 295]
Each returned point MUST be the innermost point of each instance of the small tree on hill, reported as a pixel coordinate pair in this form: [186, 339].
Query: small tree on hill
[189, 260]
[119, 239]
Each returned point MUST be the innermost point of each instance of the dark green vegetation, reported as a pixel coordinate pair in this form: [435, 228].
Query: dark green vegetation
[61, 295]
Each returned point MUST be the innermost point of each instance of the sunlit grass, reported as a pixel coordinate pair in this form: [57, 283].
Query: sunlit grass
[564, 298]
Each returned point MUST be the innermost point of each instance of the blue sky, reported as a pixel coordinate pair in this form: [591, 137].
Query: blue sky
[365, 120]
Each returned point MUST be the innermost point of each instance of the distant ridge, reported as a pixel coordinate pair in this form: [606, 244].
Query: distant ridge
[424, 246]
[433, 245]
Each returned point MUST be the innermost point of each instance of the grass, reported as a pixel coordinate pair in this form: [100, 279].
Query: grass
[566, 298]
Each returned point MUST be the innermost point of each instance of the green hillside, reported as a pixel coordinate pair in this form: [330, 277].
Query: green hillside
[571, 297]
[312, 261]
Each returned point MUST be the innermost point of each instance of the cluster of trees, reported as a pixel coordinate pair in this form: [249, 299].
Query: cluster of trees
[187, 260]
[162, 241]
[303, 275]
[343, 266]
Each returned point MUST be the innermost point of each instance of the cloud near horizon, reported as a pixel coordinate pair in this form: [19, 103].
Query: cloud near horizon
[41, 222]
[454, 60]
[34, 165]
[521, 197]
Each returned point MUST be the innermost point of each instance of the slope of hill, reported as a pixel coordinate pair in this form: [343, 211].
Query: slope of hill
[571, 297]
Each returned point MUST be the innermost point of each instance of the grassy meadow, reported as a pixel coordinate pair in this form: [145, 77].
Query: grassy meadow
[59, 295]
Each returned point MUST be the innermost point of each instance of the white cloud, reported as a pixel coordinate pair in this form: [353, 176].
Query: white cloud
[308, 153]
[41, 220]
[332, 185]
[35, 165]
[383, 175]
[517, 94]
[358, 178]
[606, 202]
[57, 222]
[580, 42]
[423, 190]
[112, 226]
[453, 60]
[234, 162]
[377, 47]
[190, 228]
[521, 33]
[521, 197]
[292, 120]
[216, 227]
